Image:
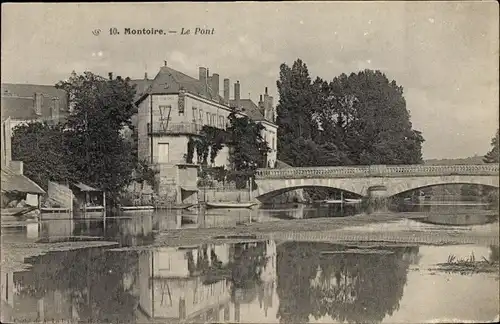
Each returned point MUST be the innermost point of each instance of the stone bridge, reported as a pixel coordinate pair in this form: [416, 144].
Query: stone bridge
[380, 180]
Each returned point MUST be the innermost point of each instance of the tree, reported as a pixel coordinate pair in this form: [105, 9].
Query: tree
[248, 147]
[99, 155]
[356, 119]
[41, 147]
[365, 115]
[493, 155]
[207, 145]
[295, 112]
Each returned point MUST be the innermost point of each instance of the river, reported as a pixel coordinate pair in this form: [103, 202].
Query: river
[246, 279]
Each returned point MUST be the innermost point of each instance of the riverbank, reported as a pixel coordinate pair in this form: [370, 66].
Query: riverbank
[364, 229]
[387, 228]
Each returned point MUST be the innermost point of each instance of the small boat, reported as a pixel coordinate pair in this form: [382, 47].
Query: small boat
[353, 201]
[174, 206]
[17, 211]
[136, 208]
[333, 201]
[92, 212]
[230, 204]
[46, 210]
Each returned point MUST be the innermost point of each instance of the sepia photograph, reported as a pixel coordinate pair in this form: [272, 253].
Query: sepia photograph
[250, 162]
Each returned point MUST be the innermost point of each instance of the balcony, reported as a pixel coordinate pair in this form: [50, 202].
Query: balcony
[162, 128]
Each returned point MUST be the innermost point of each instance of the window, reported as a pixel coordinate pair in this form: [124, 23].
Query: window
[208, 119]
[38, 103]
[55, 107]
[55, 102]
[195, 114]
[214, 120]
[221, 122]
[164, 263]
[165, 112]
[180, 103]
[201, 116]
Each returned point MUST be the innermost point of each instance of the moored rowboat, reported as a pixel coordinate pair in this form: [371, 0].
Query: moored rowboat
[172, 206]
[136, 208]
[230, 205]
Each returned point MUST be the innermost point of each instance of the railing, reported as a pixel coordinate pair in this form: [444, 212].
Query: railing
[378, 171]
[162, 128]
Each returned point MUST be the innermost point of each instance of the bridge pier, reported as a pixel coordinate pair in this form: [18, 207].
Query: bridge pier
[377, 199]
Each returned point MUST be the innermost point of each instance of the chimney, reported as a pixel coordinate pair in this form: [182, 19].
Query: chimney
[164, 63]
[237, 93]
[145, 75]
[215, 85]
[272, 110]
[202, 75]
[226, 91]
[110, 74]
[261, 106]
[268, 106]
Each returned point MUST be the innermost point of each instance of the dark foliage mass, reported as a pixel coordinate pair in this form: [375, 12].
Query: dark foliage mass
[358, 119]
[89, 146]
[317, 280]
[493, 155]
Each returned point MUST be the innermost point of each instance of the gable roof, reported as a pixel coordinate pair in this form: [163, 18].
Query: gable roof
[170, 81]
[250, 108]
[12, 182]
[141, 85]
[18, 100]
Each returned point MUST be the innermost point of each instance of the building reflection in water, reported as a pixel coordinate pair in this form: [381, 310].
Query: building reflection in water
[199, 284]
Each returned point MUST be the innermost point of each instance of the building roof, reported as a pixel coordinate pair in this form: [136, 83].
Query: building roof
[170, 81]
[250, 108]
[83, 187]
[12, 182]
[18, 100]
[141, 87]
[282, 165]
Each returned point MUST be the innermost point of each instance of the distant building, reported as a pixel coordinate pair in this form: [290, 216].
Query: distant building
[173, 107]
[25, 103]
[14, 185]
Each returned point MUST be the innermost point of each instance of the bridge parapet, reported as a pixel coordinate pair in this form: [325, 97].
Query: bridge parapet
[378, 171]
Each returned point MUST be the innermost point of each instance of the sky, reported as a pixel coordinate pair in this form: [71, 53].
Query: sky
[444, 54]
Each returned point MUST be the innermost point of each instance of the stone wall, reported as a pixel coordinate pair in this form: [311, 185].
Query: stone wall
[232, 195]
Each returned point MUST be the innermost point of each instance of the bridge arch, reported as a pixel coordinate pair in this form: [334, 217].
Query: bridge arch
[268, 188]
[397, 186]
[277, 192]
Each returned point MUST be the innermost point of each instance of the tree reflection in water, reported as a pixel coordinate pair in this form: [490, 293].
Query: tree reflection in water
[91, 279]
[347, 286]
[494, 253]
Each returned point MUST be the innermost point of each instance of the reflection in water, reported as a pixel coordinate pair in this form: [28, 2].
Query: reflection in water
[246, 281]
[133, 229]
[321, 280]
[85, 285]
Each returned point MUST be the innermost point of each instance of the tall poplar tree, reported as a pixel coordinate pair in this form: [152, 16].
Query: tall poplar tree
[493, 155]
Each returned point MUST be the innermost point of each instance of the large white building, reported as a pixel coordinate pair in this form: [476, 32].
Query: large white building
[173, 107]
